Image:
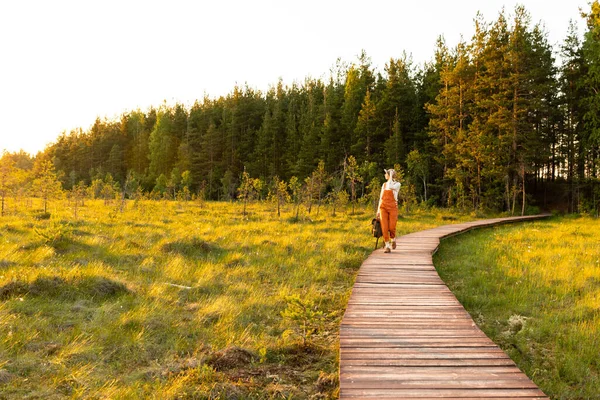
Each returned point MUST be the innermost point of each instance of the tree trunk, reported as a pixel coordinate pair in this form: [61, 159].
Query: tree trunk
[507, 194]
[279, 207]
[524, 198]
[478, 182]
[122, 201]
[319, 205]
[514, 196]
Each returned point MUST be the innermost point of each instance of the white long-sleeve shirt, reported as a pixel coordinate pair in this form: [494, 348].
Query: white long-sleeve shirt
[389, 185]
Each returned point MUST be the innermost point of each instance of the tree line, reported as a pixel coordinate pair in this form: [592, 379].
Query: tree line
[491, 123]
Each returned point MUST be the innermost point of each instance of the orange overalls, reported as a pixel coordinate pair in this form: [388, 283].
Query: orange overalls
[389, 215]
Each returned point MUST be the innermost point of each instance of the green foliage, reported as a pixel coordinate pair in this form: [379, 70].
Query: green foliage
[338, 199]
[354, 178]
[316, 184]
[249, 189]
[278, 194]
[186, 179]
[46, 184]
[304, 318]
[365, 128]
[373, 193]
[418, 167]
[296, 193]
[228, 185]
[56, 234]
[161, 184]
[109, 189]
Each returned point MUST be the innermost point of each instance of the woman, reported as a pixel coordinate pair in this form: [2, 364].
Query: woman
[387, 211]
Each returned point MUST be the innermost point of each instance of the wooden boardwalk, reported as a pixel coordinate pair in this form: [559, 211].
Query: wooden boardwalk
[405, 335]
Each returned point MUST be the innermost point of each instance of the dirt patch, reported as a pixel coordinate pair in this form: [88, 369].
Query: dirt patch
[79, 232]
[57, 287]
[13, 289]
[190, 248]
[7, 264]
[5, 376]
[104, 287]
[231, 357]
[282, 391]
[300, 355]
[45, 348]
[236, 262]
[177, 367]
[50, 286]
[327, 383]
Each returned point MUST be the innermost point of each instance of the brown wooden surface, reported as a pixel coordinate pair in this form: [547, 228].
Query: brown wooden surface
[404, 334]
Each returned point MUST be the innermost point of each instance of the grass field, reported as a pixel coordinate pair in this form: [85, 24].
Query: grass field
[177, 300]
[534, 289]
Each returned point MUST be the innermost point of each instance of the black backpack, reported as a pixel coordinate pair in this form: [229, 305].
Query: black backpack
[376, 230]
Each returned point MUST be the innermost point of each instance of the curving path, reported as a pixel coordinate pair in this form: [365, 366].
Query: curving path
[405, 335]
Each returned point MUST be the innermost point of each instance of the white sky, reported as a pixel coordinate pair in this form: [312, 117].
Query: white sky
[63, 63]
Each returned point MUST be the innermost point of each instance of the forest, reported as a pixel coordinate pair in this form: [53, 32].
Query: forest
[503, 121]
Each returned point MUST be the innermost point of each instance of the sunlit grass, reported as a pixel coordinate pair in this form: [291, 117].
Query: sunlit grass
[176, 300]
[535, 289]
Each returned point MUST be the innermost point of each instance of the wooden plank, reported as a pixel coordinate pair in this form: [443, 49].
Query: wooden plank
[352, 331]
[462, 398]
[405, 335]
[468, 371]
[432, 362]
[395, 273]
[422, 353]
[440, 393]
[403, 342]
[399, 307]
[463, 384]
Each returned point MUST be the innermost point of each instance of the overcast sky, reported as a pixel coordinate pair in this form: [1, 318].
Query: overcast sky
[63, 63]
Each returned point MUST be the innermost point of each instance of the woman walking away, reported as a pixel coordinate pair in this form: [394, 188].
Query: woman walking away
[387, 211]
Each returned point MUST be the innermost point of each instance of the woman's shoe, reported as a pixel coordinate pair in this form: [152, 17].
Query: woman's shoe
[394, 244]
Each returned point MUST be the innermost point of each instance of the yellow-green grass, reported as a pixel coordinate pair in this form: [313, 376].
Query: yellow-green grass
[177, 300]
[534, 289]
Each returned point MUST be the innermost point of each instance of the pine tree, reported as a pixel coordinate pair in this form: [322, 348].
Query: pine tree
[46, 183]
[365, 129]
[572, 90]
[160, 146]
[311, 125]
[335, 142]
[354, 178]
[136, 150]
[209, 157]
[249, 189]
[418, 167]
[262, 159]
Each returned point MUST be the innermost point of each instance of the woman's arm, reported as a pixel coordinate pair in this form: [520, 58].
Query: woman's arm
[380, 197]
